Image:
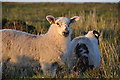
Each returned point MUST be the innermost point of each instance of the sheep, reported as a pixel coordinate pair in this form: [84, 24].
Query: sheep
[83, 53]
[47, 49]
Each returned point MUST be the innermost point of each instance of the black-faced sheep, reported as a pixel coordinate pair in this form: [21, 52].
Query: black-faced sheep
[83, 53]
[47, 49]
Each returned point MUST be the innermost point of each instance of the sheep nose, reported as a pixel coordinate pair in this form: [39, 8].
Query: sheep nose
[66, 29]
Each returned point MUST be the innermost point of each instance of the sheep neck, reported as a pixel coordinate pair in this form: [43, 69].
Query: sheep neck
[54, 38]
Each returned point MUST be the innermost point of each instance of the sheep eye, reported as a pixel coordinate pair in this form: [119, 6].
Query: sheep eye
[57, 23]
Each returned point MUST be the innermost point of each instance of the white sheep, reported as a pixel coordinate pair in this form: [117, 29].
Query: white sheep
[47, 49]
[83, 53]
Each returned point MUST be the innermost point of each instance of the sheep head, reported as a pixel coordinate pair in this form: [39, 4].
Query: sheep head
[62, 24]
[93, 34]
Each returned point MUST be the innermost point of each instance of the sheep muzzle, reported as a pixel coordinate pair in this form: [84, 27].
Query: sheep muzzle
[66, 33]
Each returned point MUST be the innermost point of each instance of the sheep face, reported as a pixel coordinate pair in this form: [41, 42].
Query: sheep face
[62, 24]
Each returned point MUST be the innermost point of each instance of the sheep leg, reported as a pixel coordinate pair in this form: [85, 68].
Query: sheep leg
[49, 69]
[54, 68]
[45, 68]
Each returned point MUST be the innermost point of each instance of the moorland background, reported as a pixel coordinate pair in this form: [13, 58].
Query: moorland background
[104, 17]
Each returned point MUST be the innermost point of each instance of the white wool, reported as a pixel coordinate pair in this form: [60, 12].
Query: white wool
[92, 44]
[96, 53]
[46, 49]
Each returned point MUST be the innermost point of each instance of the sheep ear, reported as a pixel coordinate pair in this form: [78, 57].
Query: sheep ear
[74, 19]
[50, 19]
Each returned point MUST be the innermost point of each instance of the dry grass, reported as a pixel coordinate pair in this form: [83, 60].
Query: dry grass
[95, 19]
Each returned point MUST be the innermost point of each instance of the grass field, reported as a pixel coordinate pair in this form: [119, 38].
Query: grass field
[94, 16]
